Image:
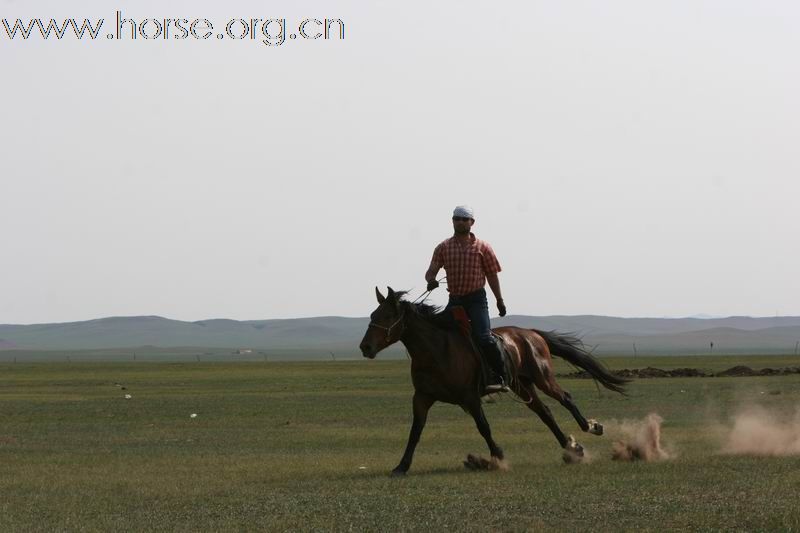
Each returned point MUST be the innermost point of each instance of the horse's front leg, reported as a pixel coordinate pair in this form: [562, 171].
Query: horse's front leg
[421, 405]
[476, 410]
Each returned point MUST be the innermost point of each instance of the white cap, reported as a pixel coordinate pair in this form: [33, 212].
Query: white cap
[464, 211]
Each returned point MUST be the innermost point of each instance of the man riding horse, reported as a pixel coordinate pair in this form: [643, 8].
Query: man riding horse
[469, 263]
[443, 366]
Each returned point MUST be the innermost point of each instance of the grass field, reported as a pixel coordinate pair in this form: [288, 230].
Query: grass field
[308, 446]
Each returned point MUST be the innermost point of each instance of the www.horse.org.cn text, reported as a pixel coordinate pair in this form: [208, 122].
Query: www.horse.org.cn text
[268, 31]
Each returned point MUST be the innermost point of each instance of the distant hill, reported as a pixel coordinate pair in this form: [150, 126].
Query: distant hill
[7, 345]
[779, 340]
[321, 335]
[593, 324]
[122, 332]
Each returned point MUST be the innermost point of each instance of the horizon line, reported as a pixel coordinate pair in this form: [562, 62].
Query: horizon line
[699, 316]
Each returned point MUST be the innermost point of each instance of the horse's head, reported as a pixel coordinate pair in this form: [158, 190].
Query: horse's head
[386, 324]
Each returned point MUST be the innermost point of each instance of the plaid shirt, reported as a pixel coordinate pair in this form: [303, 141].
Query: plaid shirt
[466, 266]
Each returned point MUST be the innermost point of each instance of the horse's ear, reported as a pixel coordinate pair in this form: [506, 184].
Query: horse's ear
[390, 295]
[380, 296]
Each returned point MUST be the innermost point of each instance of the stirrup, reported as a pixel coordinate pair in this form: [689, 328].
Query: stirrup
[497, 387]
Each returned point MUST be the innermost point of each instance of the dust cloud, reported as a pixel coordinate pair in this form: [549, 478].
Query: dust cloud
[757, 431]
[641, 440]
[477, 462]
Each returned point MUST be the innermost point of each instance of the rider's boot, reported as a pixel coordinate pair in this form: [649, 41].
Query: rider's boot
[495, 359]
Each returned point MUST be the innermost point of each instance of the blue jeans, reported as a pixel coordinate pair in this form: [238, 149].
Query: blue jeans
[477, 308]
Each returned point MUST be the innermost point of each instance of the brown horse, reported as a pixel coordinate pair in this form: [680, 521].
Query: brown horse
[446, 368]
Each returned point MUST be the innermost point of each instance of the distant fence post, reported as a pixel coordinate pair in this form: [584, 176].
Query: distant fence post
[795, 347]
[634, 349]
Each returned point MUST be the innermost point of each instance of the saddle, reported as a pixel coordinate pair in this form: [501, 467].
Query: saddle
[465, 327]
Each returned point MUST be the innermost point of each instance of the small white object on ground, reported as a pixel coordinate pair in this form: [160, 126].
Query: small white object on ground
[128, 396]
[193, 415]
[362, 467]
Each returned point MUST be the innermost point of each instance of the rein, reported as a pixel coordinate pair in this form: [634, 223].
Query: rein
[426, 293]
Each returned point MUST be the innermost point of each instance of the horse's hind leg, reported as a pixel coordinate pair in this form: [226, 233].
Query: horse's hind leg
[572, 450]
[591, 425]
[476, 410]
[543, 376]
[554, 390]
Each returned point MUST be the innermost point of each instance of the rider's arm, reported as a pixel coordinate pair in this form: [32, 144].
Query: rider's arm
[491, 266]
[494, 284]
[436, 264]
[430, 275]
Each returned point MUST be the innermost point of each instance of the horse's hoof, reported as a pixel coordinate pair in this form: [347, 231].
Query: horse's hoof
[397, 472]
[572, 456]
[595, 427]
[472, 463]
[573, 452]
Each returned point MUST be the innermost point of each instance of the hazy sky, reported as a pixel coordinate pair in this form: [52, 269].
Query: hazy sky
[623, 157]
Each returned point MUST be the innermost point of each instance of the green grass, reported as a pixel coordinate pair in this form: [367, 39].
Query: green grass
[281, 446]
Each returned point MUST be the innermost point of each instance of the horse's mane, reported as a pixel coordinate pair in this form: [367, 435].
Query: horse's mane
[432, 314]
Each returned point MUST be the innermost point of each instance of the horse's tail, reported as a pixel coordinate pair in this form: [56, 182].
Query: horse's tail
[571, 349]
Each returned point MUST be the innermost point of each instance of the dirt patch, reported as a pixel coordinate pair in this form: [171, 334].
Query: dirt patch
[738, 371]
[641, 440]
[650, 372]
[687, 373]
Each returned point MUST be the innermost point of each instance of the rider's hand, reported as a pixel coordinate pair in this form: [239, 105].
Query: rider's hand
[432, 284]
[501, 307]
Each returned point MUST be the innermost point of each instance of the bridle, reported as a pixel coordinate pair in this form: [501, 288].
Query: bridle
[402, 315]
[389, 329]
